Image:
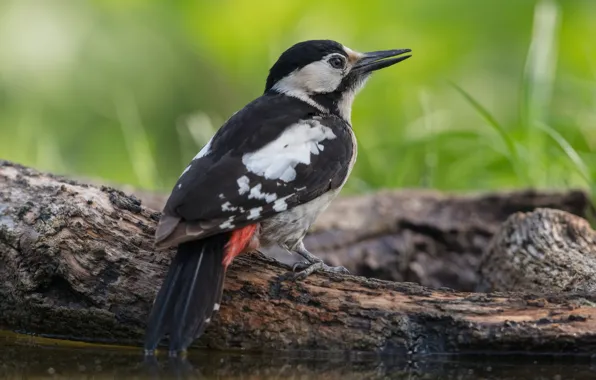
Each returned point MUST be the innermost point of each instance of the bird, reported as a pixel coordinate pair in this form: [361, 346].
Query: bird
[263, 178]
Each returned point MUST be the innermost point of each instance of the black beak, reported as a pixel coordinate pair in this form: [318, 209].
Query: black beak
[379, 59]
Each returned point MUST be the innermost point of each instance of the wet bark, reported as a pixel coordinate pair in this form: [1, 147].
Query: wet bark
[77, 262]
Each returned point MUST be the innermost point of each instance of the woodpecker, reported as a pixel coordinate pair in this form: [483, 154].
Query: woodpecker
[263, 178]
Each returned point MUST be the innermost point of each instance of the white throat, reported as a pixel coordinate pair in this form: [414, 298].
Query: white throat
[344, 106]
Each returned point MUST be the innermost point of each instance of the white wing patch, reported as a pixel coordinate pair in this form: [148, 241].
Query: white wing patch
[254, 213]
[280, 204]
[243, 184]
[278, 159]
[228, 207]
[256, 193]
[227, 223]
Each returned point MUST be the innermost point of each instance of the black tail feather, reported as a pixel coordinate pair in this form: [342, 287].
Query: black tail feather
[192, 287]
[161, 313]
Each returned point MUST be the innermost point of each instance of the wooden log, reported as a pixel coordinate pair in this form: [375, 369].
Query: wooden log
[544, 249]
[427, 237]
[77, 262]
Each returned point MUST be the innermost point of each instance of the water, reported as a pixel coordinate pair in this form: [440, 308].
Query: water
[24, 357]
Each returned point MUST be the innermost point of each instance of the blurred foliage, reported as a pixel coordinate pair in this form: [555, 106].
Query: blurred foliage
[498, 93]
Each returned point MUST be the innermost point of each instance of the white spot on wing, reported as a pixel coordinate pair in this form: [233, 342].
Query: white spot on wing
[179, 186]
[221, 196]
[254, 213]
[280, 204]
[256, 193]
[216, 307]
[278, 159]
[207, 320]
[243, 184]
[205, 151]
[228, 207]
[227, 224]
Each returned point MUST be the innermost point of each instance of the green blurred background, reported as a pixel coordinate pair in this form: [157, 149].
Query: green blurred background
[127, 91]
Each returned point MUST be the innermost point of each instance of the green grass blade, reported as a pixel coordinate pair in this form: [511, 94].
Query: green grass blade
[137, 140]
[509, 143]
[541, 63]
[566, 147]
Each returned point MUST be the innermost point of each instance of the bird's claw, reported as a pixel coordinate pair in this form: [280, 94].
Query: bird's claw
[305, 269]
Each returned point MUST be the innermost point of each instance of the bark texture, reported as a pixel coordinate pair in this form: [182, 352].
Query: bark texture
[427, 237]
[542, 250]
[78, 263]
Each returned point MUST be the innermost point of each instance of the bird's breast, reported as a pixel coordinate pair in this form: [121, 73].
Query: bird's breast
[290, 226]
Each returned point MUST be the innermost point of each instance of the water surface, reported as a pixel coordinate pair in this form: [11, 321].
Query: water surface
[27, 357]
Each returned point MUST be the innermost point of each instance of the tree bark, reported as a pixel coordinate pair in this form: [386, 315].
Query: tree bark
[421, 236]
[77, 262]
[544, 249]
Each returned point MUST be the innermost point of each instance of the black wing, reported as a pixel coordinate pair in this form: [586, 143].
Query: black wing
[273, 155]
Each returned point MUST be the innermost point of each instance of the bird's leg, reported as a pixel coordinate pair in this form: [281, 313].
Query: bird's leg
[275, 261]
[313, 264]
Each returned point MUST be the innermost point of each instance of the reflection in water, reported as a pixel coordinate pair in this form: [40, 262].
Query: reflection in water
[24, 358]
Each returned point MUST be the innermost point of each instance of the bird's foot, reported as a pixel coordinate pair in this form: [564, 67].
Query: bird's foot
[286, 266]
[275, 262]
[305, 269]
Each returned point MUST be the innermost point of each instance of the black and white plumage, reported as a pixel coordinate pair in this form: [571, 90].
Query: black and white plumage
[263, 178]
[262, 162]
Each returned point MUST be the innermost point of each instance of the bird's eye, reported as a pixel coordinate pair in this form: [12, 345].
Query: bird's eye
[337, 62]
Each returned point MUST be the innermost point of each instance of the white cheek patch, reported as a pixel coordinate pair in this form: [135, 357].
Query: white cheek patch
[319, 77]
[315, 78]
[278, 159]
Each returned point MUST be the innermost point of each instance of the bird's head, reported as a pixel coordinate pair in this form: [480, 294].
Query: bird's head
[327, 74]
